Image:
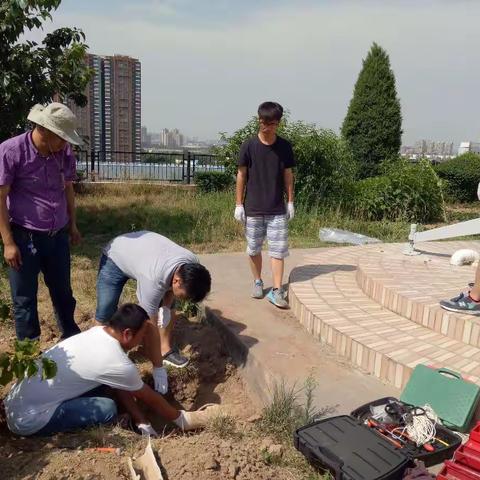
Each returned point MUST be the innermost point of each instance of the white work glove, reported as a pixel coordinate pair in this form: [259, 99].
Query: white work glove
[147, 430]
[164, 317]
[239, 213]
[290, 211]
[160, 379]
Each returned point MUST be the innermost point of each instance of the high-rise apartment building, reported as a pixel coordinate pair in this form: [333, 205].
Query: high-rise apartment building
[111, 122]
[170, 138]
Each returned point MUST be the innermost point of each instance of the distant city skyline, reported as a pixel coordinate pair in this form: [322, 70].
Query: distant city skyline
[207, 65]
[171, 138]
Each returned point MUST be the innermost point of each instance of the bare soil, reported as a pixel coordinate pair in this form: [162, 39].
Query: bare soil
[231, 448]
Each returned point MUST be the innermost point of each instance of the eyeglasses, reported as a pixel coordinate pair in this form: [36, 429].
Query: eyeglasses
[269, 124]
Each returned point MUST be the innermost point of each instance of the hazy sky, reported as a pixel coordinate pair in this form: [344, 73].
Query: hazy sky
[207, 64]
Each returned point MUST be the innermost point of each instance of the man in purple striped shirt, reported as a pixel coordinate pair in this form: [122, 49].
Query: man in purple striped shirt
[37, 216]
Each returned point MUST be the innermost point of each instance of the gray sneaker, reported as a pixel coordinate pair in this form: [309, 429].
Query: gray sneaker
[462, 303]
[277, 297]
[257, 291]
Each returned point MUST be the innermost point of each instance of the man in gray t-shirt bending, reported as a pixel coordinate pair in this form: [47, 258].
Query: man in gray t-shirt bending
[164, 271]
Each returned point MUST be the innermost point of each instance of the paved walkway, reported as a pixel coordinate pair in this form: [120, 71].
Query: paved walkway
[379, 308]
[276, 346]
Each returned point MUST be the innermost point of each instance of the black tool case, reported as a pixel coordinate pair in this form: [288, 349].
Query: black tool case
[350, 451]
[429, 458]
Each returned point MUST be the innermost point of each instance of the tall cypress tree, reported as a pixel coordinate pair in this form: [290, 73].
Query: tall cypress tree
[373, 124]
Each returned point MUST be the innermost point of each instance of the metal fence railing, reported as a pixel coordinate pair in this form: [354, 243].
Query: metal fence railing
[179, 166]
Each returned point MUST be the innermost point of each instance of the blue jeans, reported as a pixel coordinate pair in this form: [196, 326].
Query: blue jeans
[82, 412]
[110, 283]
[51, 256]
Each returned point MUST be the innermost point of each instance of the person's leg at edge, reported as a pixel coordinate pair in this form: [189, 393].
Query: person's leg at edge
[55, 266]
[467, 302]
[79, 413]
[475, 291]
[24, 288]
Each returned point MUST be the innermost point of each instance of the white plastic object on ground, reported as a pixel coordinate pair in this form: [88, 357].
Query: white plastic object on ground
[147, 430]
[464, 256]
[335, 235]
[145, 467]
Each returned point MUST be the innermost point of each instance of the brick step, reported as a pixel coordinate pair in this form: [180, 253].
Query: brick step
[326, 299]
[413, 286]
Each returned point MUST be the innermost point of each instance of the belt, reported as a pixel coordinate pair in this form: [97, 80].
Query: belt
[47, 233]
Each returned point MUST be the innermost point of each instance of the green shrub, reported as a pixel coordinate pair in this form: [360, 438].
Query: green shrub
[213, 181]
[461, 176]
[406, 191]
[230, 147]
[369, 198]
[325, 167]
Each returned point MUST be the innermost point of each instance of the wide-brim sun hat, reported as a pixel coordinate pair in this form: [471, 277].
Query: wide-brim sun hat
[57, 118]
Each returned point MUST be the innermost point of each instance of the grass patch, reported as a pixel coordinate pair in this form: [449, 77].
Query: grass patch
[271, 459]
[223, 426]
[96, 436]
[287, 412]
[204, 222]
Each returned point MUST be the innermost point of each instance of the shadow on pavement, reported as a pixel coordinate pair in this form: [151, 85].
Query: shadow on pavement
[308, 272]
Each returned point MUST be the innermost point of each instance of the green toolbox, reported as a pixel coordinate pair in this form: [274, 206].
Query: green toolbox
[452, 398]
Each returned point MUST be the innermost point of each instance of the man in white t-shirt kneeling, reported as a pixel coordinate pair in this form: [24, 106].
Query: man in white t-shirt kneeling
[94, 358]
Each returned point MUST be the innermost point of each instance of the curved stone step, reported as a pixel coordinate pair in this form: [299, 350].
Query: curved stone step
[413, 286]
[327, 300]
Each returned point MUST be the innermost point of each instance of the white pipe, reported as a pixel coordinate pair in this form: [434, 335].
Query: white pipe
[470, 227]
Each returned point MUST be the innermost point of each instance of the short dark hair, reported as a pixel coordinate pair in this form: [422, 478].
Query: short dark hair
[196, 280]
[129, 315]
[270, 111]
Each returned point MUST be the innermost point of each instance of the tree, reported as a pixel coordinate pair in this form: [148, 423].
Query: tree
[31, 73]
[373, 124]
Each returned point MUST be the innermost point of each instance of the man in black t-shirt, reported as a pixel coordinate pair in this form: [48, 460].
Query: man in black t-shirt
[264, 177]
